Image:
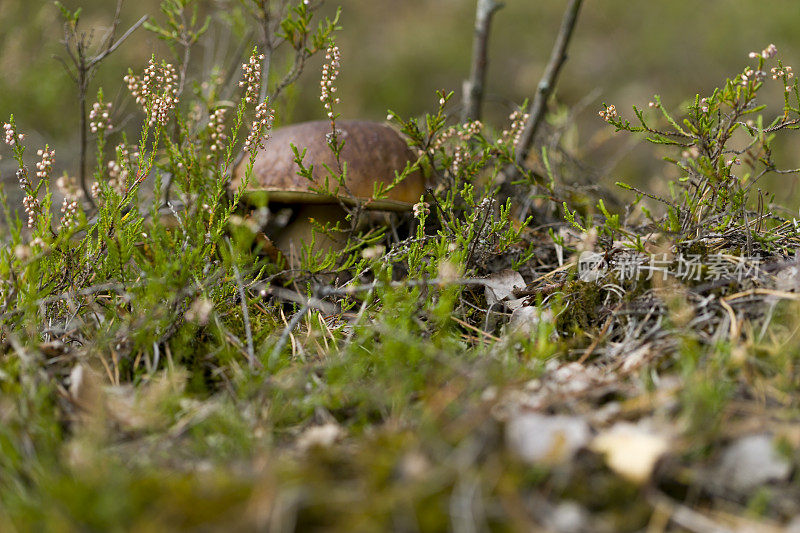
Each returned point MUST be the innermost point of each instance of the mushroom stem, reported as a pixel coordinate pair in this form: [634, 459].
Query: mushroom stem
[290, 240]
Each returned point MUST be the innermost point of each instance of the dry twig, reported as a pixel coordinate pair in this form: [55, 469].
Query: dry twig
[545, 88]
[473, 87]
[76, 45]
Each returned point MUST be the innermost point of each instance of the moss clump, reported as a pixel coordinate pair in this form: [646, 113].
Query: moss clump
[581, 302]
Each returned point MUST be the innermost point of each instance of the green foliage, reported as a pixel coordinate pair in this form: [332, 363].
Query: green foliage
[151, 359]
[726, 148]
[179, 29]
[159, 301]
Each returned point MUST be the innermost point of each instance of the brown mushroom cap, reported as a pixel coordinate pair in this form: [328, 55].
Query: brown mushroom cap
[372, 151]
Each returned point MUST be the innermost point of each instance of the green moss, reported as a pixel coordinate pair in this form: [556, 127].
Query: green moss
[580, 305]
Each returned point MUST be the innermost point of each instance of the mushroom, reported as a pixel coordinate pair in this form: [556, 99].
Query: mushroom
[372, 152]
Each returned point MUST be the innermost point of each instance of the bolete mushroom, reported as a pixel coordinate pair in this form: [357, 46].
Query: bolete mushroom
[372, 153]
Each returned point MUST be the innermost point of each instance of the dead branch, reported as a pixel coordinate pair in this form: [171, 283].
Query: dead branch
[474, 86]
[548, 82]
[85, 67]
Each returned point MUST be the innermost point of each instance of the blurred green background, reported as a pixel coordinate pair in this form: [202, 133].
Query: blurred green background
[396, 53]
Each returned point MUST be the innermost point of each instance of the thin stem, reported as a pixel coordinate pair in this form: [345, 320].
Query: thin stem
[548, 82]
[283, 339]
[251, 358]
[116, 44]
[474, 86]
[266, 65]
[82, 83]
[84, 72]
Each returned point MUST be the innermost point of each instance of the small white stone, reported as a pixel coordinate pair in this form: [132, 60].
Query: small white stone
[631, 451]
[323, 436]
[751, 462]
[538, 438]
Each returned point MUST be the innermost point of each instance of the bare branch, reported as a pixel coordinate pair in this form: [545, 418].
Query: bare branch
[108, 39]
[84, 71]
[348, 290]
[66, 68]
[109, 50]
[297, 68]
[268, 48]
[68, 38]
[473, 87]
[548, 82]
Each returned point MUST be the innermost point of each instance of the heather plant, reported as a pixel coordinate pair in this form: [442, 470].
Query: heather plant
[725, 148]
[128, 271]
[129, 267]
[464, 161]
[140, 287]
[451, 368]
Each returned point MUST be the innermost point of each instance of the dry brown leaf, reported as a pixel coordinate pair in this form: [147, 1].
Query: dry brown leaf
[500, 286]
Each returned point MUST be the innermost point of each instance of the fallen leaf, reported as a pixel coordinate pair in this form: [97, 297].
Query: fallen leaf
[499, 287]
[526, 319]
[793, 526]
[788, 279]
